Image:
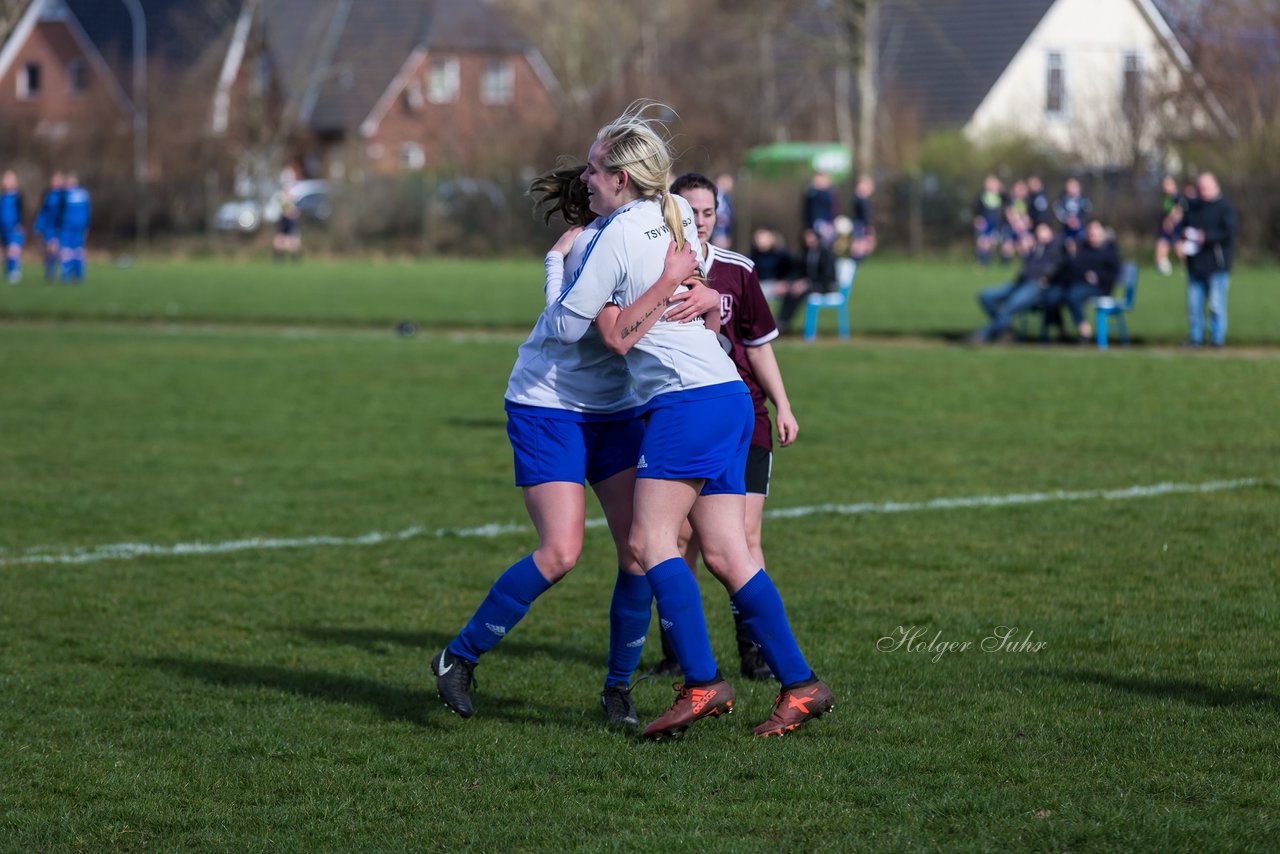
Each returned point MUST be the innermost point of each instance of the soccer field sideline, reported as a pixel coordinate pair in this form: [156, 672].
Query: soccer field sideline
[131, 551]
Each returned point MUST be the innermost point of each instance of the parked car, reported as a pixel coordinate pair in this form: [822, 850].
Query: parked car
[248, 215]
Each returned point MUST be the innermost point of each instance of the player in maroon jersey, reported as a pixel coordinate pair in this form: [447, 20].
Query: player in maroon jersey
[746, 330]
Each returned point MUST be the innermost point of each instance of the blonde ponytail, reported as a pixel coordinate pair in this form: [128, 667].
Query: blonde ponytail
[675, 222]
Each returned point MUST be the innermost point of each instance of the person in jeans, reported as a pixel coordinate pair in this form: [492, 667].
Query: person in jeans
[1091, 273]
[1208, 243]
[1004, 302]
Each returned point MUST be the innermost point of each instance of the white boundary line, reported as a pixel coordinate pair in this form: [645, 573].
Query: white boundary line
[130, 551]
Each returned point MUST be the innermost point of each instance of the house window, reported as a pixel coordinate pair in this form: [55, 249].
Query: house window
[1131, 87]
[499, 82]
[77, 77]
[1055, 102]
[412, 156]
[443, 81]
[29, 80]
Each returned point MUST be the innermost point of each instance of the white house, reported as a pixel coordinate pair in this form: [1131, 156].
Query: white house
[1093, 78]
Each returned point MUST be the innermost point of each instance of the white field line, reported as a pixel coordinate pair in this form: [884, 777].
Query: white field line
[129, 551]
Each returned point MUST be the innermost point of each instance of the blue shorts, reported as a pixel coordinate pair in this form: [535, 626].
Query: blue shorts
[691, 436]
[561, 449]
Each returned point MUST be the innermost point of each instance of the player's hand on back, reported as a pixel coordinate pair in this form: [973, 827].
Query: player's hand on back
[680, 264]
[565, 243]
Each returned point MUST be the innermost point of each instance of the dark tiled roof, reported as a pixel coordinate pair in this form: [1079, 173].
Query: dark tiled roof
[181, 35]
[945, 55]
[337, 57]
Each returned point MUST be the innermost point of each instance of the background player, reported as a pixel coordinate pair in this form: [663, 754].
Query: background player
[12, 236]
[49, 224]
[748, 327]
[75, 225]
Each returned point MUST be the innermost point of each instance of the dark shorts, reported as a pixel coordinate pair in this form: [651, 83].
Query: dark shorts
[759, 467]
[287, 226]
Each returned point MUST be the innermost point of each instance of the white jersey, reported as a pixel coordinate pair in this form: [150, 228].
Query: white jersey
[580, 377]
[626, 260]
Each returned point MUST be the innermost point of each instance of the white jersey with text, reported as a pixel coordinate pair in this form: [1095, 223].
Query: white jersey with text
[626, 259]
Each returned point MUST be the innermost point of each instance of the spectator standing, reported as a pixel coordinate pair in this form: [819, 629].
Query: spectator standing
[820, 207]
[1172, 208]
[49, 224]
[1072, 210]
[1208, 245]
[864, 229]
[1019, 228]
[988, 219]
[723, 234]
[1037, 201]
[75, 226]
[12, 236]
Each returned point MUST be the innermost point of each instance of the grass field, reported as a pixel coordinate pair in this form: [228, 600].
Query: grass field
[892, 296]
[245, 668]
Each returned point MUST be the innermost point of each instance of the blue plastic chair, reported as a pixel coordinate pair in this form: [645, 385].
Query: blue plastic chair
[846, 271]
[1107, 307]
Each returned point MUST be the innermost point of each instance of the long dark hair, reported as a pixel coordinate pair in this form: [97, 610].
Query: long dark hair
[561, 191]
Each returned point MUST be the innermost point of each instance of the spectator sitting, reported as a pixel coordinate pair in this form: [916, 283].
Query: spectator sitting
[988, 219]
[1004, 302]
[816, 266]
[1089, 274]
[1072, 210]
[1172, 208]
[1019, 228]
[773, 263]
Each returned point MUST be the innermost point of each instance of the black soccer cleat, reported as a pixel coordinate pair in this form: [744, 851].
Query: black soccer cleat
[753, 664]
[618, 707]
[454, 678]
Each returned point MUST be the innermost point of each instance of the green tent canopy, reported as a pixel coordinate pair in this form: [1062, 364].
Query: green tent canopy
[799, 159]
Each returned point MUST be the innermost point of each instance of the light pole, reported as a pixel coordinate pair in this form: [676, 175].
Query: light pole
[139, 114]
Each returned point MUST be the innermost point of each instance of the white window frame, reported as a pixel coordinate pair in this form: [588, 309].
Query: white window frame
[1064, 99]
[498, 82]
[1139, 70]
[25, 92]
[444, 80]
[77, 67]
[413, 157]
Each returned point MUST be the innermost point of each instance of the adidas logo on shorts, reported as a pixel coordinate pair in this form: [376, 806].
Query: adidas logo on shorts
[666, 624]
[497, 630]
[642, 464]
[638, 642]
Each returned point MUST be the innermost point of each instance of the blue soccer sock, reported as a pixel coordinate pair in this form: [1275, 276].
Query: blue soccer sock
[680, 610]
[629, 614]
[766, 618]
[508, 600]
[10, 266]
[51, 268]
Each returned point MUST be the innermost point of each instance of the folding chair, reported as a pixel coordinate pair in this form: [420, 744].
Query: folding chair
[1107, 307]
[846, 271]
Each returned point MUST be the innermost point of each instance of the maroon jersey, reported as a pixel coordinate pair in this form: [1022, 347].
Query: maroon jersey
[745, 319]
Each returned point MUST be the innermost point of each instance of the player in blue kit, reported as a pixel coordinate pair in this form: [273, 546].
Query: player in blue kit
[570, 418]
[700, 423]
[75, 224]
[49, 224]
[12, 236]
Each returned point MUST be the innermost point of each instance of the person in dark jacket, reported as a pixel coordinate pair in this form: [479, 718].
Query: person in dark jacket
[1003, 303]
[1209, 236]
[1091, 273]
[815, 269]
